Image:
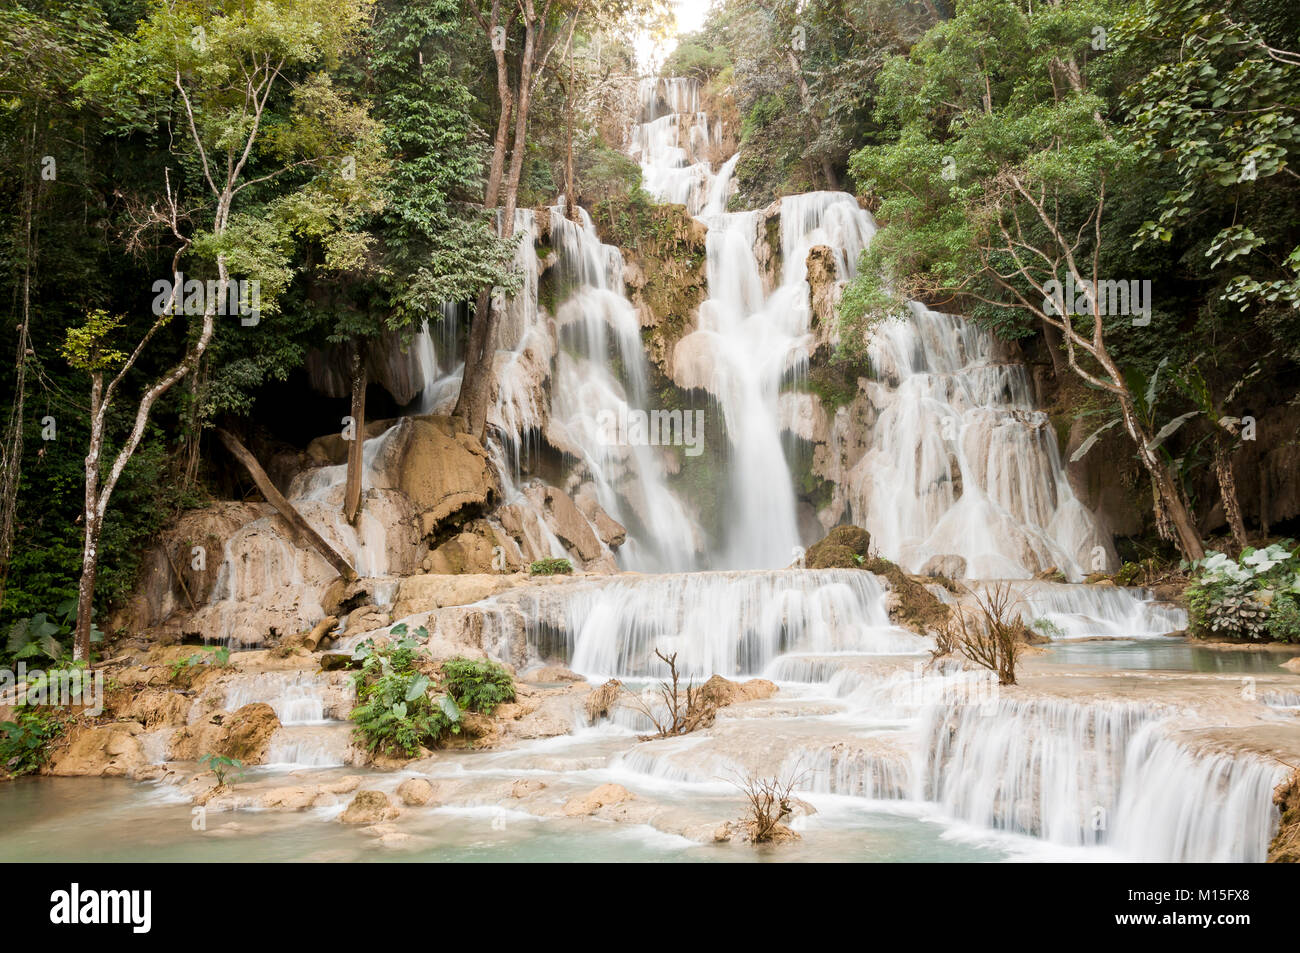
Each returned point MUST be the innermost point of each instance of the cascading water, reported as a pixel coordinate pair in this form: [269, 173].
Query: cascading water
[717, 622]
[958, 461]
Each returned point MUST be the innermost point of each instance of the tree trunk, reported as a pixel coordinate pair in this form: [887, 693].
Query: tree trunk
[471, 402]
[1264, 502]
[301, 528]
[471, 405]
[90, 531]
[1228, 493]
[356, 451]
[1162, 481]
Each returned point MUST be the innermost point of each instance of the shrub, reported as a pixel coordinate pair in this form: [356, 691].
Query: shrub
[551, 567]
[25, 741]
[45, 635]
[1284, 619]
[1250, 598]
[397, 714]
[477, 684]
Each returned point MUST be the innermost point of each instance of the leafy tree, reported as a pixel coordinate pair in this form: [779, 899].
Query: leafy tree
[224, 61]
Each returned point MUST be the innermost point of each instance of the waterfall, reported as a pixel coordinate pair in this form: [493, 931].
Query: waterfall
[958, 462]
[1096, 774]
[717, 622]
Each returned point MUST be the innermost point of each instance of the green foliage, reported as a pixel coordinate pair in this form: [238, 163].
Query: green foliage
[25, 741]
[184, 667]
[697, 59]
[1047, 628]
[1253, 597]
[551, 567]
[1284, 619]
[46, 637]
[221, 766]
[397, 714]
[477, 684]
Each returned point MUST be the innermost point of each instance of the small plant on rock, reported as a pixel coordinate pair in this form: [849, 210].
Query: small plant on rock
[221, 766]
[990, 633]
[551, 567]
[397, 714]
[477, 684]
[1253, 597]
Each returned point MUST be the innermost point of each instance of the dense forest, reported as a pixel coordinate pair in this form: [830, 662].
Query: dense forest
[202, 200]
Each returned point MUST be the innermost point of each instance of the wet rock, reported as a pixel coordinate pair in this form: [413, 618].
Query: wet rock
[368, 807]
[593, 801]
[416, 792]
[244, 735]
[526, 786]
[720, 692]
[248, 733]
[290, 798]
[446, 475]
[109, 751]
[946, 567]
[567, 522]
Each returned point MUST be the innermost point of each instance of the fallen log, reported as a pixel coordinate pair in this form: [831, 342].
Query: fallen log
[297, 523]
[322, 628]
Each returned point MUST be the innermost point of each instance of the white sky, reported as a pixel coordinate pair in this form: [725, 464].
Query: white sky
[690, 16]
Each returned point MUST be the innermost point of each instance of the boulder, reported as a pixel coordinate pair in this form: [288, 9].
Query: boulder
[109, 751]
[593, 801]
[244, 735]
[416, 792]
[467, 552]
[446, 475]
[720, 692]
[368, 807]
[248, 732]
[845, 547]
[526, 786]
[567, 522]
[948, 567]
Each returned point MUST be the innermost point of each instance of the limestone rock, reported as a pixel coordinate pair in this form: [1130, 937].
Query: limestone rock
[446, 475]
[949, 567]
[416, 792]
[368, 807]
[290, 798]
[526, 786]
[593, 801]
[720, 692]
[109, 751]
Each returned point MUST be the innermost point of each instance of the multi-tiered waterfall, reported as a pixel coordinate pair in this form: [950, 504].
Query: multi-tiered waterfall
[957, 463]
[939, 453]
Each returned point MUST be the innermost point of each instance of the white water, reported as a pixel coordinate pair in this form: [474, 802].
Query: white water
[717, 622]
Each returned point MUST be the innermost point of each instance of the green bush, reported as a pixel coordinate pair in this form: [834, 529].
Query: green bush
[1253, 597]
[46, 636]
[477, 684]
[1284, 619]
[551, 567]
[396, 714]
[25, 741]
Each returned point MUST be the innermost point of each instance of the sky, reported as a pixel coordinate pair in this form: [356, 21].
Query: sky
[690, 16]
